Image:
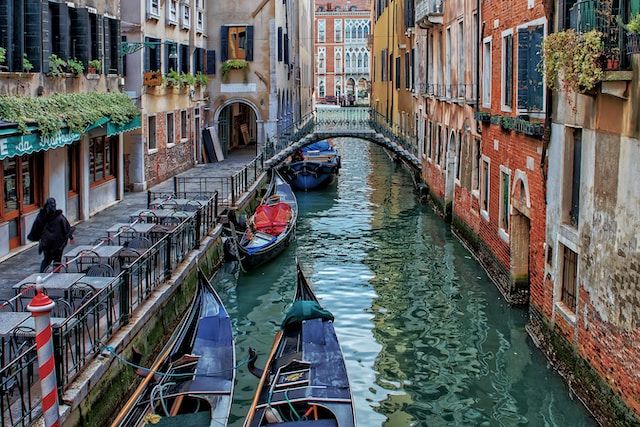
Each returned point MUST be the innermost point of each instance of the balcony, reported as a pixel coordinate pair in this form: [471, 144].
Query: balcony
[429, 13]
[602, 16]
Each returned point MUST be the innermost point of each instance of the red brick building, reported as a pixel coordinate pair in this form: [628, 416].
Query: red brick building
[341, 32]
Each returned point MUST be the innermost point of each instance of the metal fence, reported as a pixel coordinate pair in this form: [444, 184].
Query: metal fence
[99, 315]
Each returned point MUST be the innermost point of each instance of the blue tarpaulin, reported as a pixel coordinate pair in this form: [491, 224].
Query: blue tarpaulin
[319, 146]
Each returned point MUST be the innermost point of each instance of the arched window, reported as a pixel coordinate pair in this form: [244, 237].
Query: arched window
[366, 30]
[359, 60]
[354, 33]
[338, 64]
[352, 8]
[321, 64]
[321, 88]
[366, 60]
[360, 32]
[347, 61]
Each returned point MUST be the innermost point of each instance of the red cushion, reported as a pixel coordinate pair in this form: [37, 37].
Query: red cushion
[272, 219]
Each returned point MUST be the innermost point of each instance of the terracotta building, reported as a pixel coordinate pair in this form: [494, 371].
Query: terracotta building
[343, 59]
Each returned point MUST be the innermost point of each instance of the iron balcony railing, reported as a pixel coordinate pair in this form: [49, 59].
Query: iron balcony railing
[459, 92]
[603, 16]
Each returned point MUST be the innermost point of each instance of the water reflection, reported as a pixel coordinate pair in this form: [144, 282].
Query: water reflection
[426, 337]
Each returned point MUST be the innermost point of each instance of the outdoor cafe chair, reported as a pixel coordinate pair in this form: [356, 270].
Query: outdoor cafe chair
[138, 244]
[100, 270]
[6, 305]
[26, 293]
[148, 216]
[192, 206]
[79, 293]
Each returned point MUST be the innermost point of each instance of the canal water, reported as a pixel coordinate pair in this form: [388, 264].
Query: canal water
[428, 340]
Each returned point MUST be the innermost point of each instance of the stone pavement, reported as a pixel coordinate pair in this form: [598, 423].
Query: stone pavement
[21, 265]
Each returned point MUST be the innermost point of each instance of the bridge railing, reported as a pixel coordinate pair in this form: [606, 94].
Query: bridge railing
[351, 118]
[406, 138]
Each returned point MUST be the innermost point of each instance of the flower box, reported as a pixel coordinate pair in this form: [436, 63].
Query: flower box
[528, 128]
[483, 116]
[152, 78]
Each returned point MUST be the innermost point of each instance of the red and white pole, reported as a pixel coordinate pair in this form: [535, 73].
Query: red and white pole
[40, 308]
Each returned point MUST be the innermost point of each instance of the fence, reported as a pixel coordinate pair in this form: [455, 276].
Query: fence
[99, 315]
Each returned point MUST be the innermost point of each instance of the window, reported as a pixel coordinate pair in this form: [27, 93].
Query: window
[474, 74]
[438, 144]
[184, 58]
[477, 155]
[486, 73]
[102, 158]
[152, 55]
[347, 62]
[484, 196]
[112, 38]
[337, 30]
[322, 66]
[171, 52]
[172, 16]
[184, 125]
[569, 274]
[321, 31]
[200, 20]
[530, 83]
[321, 87]
[573, 158]
[153, 9]
[236, 43]
[337, 82]
[186, 16]
[170, 129]
[73, 167]
[504, 200]
[507, 70]
[151, 132]
[407, 71]
[461, 57]
[397, 73]
[429, 140]
[280, 44]
[447, 75]
[459, 154]
[338, 60]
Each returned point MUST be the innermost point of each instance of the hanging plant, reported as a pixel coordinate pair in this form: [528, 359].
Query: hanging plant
[27, 66]
[75, 111]
[56, 66]
[172, 78]
[95, 66]
[234, 64]
[187, 79]
[201, 79]
[572, 61]
[75, 66]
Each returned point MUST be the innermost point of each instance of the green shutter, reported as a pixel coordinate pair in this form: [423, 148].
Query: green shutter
[523, 69]
[534, 74]
[224, 43]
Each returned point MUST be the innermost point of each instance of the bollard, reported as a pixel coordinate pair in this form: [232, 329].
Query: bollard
[40, 308]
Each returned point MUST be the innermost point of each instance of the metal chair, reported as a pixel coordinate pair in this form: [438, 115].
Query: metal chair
[148, 216]
[79, 293]
[138, 243]
[100, 270]
[26, 292]
[6, 305]
[62, 308]
[127, 256]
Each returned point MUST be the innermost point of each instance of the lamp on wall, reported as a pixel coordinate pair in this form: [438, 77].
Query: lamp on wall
[173, 53]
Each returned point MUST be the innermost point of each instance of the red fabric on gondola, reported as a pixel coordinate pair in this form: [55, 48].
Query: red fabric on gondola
[272, 219]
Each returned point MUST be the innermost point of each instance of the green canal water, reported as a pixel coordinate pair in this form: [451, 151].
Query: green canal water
[428, 341]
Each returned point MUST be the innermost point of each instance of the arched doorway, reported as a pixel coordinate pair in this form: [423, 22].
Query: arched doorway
[362, 92]
[520, 233]
[237, 128]
[450, 174]
[351, 91]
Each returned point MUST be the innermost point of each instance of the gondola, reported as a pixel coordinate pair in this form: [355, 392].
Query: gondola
[305, 379]
[312, 167]
[271, 228]
[191, 383]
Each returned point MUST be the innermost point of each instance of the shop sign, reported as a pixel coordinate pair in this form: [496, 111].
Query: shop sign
[18, 145]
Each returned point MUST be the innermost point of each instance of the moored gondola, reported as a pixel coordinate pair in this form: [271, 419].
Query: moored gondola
[271, 228]
[305, 379]
[312, 167]
[191, 383]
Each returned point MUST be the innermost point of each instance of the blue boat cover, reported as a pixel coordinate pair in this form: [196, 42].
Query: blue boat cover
[319, 146]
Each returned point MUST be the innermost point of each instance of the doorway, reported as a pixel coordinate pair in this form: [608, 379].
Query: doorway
[520, 250]
[237, 128]
[450, 175]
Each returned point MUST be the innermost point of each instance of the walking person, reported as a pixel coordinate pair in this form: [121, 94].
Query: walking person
[52, 229]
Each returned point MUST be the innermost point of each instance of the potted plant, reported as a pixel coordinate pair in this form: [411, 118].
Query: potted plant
[75, 66]
[234, 64]
[95, 66]
[56, 66]
[172, 78]
[187, 79]
[201, 79]
[3, 58]
[27, 66]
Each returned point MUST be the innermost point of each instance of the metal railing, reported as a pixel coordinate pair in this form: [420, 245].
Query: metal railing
[82, 335]
[602, 16]
[426, 8]
[406, 138]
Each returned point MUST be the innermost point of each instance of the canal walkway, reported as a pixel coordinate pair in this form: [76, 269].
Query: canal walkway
[21, 265]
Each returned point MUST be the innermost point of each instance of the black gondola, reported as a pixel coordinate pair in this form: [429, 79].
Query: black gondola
[267, 236]
[305, 379]
[191, 383]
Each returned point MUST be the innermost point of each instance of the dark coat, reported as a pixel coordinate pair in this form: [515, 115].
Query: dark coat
[52, 230]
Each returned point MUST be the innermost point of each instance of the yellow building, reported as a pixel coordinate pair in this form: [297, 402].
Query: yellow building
[392, 68]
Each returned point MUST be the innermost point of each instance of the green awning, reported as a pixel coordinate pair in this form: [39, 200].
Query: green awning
[114, 129]
[14, 143]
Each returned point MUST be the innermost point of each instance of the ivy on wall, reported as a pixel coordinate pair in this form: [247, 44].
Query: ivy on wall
[75, 111]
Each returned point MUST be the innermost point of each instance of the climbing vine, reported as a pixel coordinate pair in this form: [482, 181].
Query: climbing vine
[76, 111]
[572, 61]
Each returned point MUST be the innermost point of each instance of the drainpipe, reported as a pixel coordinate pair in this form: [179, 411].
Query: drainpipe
[481, 28]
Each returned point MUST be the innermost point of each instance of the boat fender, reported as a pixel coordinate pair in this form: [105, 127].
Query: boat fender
[251, 363]
[272, 415]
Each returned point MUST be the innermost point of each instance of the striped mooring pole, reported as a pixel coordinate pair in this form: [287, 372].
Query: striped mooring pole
[40, 308]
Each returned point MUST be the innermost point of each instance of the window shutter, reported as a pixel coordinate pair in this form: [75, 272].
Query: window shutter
[635, 7]
[6, 28]
[106, 25]
[81, 35]
[167, 52]
[534, 75]
[147, 56]
[523, 69]
[17, 44]
[158, 58]
[46, 36]
[249, 48]
[508, 70]
[61, 29]
[224, 43]
[280, 44]
[184, 58]
[286, 49]
[33, 33]
[211, 62]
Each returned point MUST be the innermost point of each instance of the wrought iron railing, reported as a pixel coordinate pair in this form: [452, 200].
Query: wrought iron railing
[406, 138]
[97, 317]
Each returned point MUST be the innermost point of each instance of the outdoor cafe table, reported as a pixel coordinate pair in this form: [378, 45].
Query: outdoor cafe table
[58, 283]
[157, 215]
[105, 253]
[9, 320]
[174, 203]
[130, 230]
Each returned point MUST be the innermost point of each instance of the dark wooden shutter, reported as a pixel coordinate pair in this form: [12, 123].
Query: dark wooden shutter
[46, 36]
[224, 43]
[33, 33]
[167, 51]
[211, 62]
[184, 58]
[106, 29]
[523, 68]
[413, 68]
[80, 35]
[508, 70]
[61, 29]
[286, 49]
[6, 28]
[280, 44]
[17, 44]
[249, 47]
[158, 57]
[147, 57]
[534, 75]
[398, 73]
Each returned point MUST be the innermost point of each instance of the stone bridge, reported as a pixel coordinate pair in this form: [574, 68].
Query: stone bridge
[351, 122]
